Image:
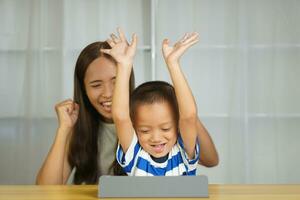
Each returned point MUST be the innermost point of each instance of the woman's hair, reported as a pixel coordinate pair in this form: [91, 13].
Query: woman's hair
[153, 92]
[83, 149]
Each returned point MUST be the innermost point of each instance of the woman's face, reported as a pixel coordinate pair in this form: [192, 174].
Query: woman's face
[99, 83]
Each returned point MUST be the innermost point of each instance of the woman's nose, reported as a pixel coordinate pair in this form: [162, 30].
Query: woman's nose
[107, 91]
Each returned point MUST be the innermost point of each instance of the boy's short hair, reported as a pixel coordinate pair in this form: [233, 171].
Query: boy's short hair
[153, 92]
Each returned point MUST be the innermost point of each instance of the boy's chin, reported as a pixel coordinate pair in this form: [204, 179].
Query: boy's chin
[159, 155]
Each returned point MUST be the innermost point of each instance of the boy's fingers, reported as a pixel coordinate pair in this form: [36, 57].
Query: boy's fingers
[110, 42]
[107, 51]
[192, 37]
[114, 38]
[165, 42]
[192, 42]
[134, 41]
[121, 34]
[132, 46]
[184, 37]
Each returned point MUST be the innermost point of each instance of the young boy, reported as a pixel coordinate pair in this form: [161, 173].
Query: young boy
[158, 134]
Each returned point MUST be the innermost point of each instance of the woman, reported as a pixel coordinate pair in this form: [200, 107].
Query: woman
[85, 124]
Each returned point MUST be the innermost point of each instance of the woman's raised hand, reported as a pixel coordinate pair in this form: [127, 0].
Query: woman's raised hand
[120, 50]
[173, 53]
[67, 112]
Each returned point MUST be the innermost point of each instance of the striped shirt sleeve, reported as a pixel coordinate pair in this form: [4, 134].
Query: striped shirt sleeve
[190, 163]
[127, 160]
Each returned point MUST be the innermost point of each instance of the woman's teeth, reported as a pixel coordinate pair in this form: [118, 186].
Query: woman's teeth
[107, 106]
[107, 103]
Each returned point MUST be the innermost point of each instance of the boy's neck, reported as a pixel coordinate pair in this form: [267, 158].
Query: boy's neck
[161, 159]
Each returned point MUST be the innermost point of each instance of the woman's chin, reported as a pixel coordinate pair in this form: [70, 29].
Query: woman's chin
[106, 116]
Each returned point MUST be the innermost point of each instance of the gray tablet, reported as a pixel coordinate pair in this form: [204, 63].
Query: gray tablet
[155, 186]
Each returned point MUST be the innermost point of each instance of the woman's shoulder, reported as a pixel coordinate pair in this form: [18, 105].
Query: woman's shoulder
[107, 127]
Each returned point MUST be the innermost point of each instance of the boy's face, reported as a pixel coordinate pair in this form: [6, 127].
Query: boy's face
[156, 128]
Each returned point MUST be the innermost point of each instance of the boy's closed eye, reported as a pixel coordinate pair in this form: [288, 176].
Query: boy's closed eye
[166, 129]
[144, 131]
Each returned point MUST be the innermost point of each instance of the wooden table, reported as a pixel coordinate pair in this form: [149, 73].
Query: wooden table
[85, 192]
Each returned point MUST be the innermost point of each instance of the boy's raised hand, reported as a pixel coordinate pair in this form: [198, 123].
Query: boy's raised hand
[120, 50]
[173, 53]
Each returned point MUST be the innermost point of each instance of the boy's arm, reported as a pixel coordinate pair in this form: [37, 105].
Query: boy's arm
[186, 102]
[123, 54]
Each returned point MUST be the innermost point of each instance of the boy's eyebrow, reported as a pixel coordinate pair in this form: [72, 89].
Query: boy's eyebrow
[143, 126]
[164, 123]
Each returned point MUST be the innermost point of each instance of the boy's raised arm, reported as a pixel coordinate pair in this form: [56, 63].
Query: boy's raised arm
[186, 102]
[123, 53]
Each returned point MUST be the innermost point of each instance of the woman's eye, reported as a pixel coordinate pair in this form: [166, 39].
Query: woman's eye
[96, 86]
[166, 129]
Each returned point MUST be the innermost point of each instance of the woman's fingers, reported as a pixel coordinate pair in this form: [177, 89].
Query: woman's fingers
[67, 105]
[75, 110]
[63, 103]
[76, 107]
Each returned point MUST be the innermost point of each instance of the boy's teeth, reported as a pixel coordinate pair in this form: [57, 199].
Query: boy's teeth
[158, 148]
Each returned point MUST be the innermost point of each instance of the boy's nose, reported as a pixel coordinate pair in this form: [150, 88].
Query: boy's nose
[155, 137]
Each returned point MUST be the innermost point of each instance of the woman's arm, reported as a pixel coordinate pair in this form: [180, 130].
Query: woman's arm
[56, 168]
[208, 153]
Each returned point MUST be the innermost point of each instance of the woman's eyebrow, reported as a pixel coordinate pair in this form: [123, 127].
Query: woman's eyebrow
[95, 81]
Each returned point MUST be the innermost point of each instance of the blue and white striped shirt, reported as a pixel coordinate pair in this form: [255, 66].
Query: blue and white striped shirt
[137, 162]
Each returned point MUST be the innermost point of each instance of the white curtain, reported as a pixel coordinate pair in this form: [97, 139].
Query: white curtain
[244, 74]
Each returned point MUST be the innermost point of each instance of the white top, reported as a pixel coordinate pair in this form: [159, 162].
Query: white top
[107, 143]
